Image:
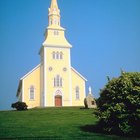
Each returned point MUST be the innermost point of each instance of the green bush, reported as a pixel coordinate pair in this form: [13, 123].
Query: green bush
[119, 105]
[19, 106]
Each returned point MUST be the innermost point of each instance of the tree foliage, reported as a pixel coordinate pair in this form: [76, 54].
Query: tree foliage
[119, 105]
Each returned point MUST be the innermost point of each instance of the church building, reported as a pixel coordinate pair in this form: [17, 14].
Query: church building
[54, 82]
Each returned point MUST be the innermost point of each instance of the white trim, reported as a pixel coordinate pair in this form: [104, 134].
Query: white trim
[58, 46]
[78, 73]
[30, 72]
[42, 79]
[70, 79]
[45, 104]
[84, 90]
[22, 90]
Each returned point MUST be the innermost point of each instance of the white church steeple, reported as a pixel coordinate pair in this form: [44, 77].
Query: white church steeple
[55, 34]
[54, 14]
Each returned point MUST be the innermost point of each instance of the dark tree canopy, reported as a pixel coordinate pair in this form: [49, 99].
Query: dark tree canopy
[119, 105]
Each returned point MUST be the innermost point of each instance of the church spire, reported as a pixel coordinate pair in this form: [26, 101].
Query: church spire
[54, 14]
[54, 4]
[55, 34]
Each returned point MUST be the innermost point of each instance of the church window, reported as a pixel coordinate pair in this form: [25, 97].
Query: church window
[58, 81]
[54, 9]
[55, 21]
[57, 55]
[64, 69]
[54, 82]
[58, 23]
[77, 93]
[92, 102]
[51, 22]
[61, 55]
[56, 33]
[50, 68]
[53, 55]
[32, 93]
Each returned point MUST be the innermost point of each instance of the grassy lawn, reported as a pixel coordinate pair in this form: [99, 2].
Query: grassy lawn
[51, 123]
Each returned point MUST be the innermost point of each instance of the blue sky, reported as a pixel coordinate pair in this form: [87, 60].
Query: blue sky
[105, 35]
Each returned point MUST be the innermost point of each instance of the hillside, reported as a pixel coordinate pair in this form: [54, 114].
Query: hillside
[51, 123]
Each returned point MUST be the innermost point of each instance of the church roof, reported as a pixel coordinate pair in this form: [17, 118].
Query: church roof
[78, 74]
[20, 82]
[30, 72]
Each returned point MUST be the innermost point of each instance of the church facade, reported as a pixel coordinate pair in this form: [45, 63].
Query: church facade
[54, 82]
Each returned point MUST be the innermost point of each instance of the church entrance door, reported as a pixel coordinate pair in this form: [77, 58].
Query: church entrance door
[58, 100]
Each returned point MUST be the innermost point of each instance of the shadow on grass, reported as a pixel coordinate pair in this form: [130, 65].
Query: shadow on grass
[92, 129]
[32, 138]
[98, 130]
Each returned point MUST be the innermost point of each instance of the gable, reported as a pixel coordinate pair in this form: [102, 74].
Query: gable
[24, 77]
[78, 74]
[30, 72]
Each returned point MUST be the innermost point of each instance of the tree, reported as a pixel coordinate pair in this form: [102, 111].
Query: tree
[19, 106]
[119, 105]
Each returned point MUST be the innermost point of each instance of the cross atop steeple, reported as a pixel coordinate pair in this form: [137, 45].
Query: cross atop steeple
[54, 14]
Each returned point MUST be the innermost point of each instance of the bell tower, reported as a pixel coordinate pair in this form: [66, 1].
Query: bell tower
[55, 62]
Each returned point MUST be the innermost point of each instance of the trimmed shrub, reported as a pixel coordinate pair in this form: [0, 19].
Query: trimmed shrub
[19, 106]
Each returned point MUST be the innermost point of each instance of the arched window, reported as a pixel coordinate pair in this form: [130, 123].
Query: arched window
[54, 82]
[61, 55]
[51, 22]
[77, 93]
[32, 93]
[58, 23]
[55, 21]
[56, 32]
[57, 55]
[58, 81]
[53, 55]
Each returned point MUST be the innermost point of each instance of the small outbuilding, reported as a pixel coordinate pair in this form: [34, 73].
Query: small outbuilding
[90, 100]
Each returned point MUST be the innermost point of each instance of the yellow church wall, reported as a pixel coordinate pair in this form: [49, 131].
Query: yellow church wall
[58, 69]
[33, 79]
[77, 81]
[55, 36]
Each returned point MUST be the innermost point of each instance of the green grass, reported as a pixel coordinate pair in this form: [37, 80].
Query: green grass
[50, 123]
